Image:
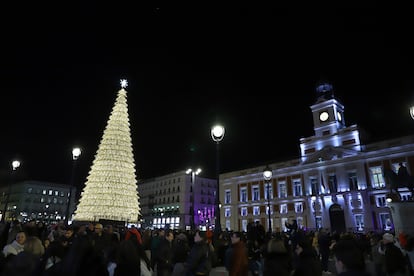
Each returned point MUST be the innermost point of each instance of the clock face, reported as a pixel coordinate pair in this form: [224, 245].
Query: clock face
[339, 115]
[323, 116]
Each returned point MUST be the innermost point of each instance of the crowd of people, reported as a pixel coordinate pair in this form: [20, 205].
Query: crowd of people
[34, 248]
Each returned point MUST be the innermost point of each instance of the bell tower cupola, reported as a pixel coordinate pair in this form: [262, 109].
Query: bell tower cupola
[328, 112]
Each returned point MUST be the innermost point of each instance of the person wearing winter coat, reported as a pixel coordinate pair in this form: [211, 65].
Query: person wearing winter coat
[198, 261]
[16, 246]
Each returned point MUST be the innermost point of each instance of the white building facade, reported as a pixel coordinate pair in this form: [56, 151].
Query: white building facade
[337, 183]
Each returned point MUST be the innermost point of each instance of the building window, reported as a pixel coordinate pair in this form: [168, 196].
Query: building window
[381, 201]
[405, 196]
[227, 212]
[314, 186]
[385, 220]
[255, 193]
[228, 225]
[282, 190]
[297, 187]
[243, 195]
[244, 225]
[283, 208]
[243, 211]
[299, 207]
[359, 222]
[227, 197]
[377, 177]
[256, 210]
[353, 181]
[332, 182]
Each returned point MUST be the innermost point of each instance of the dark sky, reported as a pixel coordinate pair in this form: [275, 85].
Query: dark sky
[252, 69]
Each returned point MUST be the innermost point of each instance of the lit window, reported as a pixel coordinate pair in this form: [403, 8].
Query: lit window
[283, 208]
[381, 201]
[299, 207]
[297, 187]
[227, 197]
[243, 195]
[377, 177]
[282, 189]
[255, 193]
[353, 181]
[359, 222]
[256, 210]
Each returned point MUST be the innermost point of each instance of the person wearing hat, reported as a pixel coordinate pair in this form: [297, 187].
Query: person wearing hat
[395, 262]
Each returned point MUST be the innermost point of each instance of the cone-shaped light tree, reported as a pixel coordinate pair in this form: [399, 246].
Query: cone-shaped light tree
[110, 191]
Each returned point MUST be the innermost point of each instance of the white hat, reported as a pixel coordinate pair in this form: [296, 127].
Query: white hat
[388, 237]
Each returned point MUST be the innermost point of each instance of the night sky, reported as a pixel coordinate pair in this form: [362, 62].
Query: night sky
[252, 69]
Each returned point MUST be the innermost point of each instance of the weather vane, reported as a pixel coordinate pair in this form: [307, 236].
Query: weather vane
[124, 83]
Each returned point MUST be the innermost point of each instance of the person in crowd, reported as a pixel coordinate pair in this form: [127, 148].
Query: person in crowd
[101, 241]
[181, 249]
[15, 227]
[324, 243]
[236, 257]
[254, 253]
[34, 246]
[23, 264]
[349, 258]
[16, 246]
[198, 261]
[220, 246]
[308, 263]
[128, 261]
[395, 261]
[375, 256]
[133, 231]
[146, 242]
[277, 259]
[292, 230]
[158, 236]
[165, 255]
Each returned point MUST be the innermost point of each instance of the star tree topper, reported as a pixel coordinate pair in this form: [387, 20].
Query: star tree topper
[124, 83]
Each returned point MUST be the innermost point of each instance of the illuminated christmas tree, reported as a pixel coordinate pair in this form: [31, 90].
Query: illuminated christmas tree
[110, 191]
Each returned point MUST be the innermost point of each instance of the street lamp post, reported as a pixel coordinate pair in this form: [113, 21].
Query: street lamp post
[217, 134]
[76, 152]
[193, 175]
[267, 175]
[15, 164]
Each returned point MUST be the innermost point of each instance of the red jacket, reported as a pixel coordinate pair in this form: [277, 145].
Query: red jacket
[135, 232]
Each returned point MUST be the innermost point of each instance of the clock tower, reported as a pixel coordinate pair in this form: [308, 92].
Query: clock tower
[328, 112]
[332, 138]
